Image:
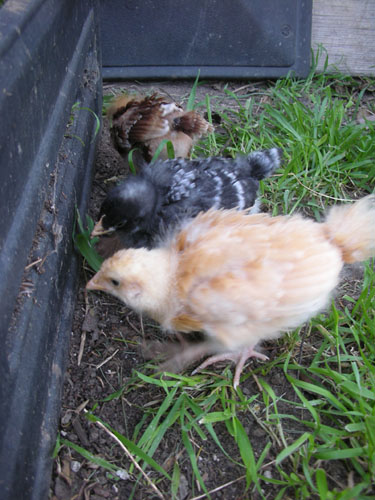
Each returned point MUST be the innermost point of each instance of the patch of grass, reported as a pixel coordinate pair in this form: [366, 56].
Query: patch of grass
[85, 244]
[328, 155]
[336, 393]
[76, 108]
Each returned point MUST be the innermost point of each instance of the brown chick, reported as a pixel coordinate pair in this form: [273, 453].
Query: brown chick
[241, 278]
[144, 122]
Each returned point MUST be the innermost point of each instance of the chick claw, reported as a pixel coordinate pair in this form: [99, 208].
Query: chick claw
[239, 358]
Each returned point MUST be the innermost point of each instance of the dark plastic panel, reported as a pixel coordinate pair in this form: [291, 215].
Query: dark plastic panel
[221, 38]
[49, 60]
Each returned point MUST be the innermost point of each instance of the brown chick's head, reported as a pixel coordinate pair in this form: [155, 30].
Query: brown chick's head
[192, 124]
[242, 278]
[145, 122]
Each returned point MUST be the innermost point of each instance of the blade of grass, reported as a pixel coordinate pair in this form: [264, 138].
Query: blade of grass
[85, 244]
[132, 166]
[289, 450]
[170, 150]
[101, 462]
[246, 451]
[132, 447]
[191, 100]
[193, 459]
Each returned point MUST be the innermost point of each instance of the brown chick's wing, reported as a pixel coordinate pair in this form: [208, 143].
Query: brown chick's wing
[120, 104]
[139, 121]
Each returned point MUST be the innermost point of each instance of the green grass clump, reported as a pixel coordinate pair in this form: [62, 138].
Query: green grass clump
[85, 244]
[328, 154]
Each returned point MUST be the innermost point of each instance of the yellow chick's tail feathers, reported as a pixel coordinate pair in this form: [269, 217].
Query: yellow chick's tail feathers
[352, 229]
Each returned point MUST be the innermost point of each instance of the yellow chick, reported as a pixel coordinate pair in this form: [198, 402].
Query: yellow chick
[241, 278]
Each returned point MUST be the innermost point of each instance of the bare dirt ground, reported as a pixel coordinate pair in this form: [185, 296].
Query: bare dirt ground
[104, 351]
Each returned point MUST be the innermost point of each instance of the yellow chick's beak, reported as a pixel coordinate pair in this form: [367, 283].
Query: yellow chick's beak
[96, 284]
[99, 229]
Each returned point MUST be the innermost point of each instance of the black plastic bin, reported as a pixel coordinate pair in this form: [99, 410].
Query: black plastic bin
[153, 39]
[49, 63]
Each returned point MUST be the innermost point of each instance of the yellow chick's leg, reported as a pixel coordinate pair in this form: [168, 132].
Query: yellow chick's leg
[239, 358]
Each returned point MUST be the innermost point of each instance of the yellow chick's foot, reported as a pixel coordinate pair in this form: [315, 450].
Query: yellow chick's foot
[239, 358]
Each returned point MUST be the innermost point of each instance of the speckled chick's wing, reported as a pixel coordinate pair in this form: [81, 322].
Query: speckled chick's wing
[246, 278]
[191, 186]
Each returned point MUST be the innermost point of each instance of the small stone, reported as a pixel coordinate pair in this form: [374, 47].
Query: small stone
[75, 466]
[122, 474]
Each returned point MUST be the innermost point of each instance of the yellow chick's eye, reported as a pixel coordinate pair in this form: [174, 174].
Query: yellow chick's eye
[115, 282]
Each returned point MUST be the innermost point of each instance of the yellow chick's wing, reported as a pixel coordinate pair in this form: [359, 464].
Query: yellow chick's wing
[246, 278]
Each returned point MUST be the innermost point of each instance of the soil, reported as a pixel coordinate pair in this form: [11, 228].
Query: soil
[105, 350]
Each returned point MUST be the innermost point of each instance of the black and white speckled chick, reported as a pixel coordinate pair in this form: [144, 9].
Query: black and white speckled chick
[144, 207]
